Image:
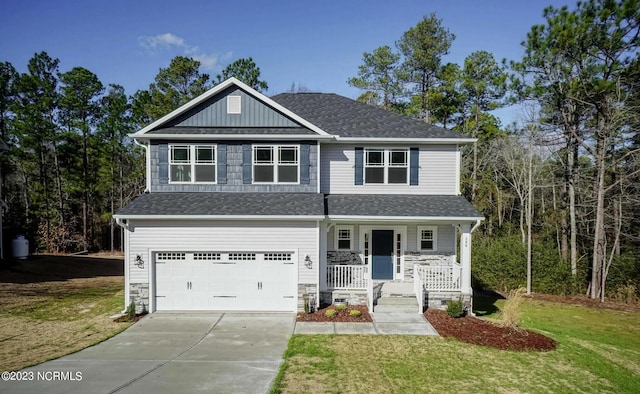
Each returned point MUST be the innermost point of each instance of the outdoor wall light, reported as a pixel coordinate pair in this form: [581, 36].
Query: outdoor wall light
[139, 262]
[307, 262]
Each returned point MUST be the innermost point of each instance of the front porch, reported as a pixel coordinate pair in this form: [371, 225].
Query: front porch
[399, 262]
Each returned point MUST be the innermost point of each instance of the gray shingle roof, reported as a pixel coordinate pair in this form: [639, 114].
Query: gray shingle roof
[342, 116]
[399, 205]
[233, 130]
[201, 203]
[298, 204]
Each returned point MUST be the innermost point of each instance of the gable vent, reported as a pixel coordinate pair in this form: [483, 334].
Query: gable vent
[234, 104]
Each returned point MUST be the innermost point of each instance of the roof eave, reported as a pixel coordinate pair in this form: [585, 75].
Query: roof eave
[220, 217]
[441, 219]
[425, 140]
[227, 137]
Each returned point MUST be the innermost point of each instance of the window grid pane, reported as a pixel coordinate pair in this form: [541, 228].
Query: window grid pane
[375, 158]
[205, 155]
[264, 155]
[398, 158]
[288, 155]
[180, 154]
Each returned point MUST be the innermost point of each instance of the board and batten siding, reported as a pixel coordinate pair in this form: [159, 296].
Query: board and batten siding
[213, 113]
[436, 174]
[223, 236]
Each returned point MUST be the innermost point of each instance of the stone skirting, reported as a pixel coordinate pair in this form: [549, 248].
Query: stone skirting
[439, 300]
[343, 257]
[351, 297]
[307, 290]
[139, 294]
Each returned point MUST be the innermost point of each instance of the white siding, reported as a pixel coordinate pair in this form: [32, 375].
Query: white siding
[446, 238]
[157, 235]
[437, 173]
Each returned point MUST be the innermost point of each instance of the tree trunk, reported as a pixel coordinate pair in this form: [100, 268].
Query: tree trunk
[599, 236]
[573, 233]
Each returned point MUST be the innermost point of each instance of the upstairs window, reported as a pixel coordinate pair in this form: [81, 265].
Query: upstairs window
[192, 164]
[276, 164]
[386, 166]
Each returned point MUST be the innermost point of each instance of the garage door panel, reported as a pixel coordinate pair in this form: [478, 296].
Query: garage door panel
[251, 281]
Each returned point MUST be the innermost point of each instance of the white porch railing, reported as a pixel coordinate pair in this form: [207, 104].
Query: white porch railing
[438, 277]
[347, 277]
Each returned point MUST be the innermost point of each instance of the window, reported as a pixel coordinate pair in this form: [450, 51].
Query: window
[427, 238]
[386, 166]
[275, 164]
[344, 235]
[192, 163]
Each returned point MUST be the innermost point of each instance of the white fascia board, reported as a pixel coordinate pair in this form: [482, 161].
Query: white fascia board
[235, 137]
[220, 87]
[440, 141]
[442, 219]
[220, 217]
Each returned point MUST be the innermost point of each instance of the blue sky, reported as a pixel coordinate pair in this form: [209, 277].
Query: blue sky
[317, 44]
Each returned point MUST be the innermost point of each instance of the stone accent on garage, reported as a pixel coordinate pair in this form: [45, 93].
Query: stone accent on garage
[139, 294]
[307, 290]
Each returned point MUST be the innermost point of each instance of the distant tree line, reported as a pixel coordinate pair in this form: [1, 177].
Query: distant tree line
[71, 164]
[560, 187]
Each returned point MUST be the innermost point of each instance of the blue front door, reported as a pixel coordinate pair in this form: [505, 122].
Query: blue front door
[382, 254]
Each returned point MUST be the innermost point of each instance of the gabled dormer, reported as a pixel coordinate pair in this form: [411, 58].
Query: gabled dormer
[232, 138]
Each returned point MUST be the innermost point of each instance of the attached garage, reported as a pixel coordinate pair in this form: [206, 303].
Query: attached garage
[236, 280]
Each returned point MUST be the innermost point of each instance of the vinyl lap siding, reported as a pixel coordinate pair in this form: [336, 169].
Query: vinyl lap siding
[300, 237]
[437, 173]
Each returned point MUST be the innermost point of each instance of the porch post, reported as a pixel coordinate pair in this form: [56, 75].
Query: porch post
[465, 259]
[322, 266]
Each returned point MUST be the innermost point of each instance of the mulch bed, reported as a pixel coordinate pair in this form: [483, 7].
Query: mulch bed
[481, 332]
[342, 316]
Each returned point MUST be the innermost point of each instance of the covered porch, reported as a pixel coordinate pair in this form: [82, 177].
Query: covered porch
[424, 257]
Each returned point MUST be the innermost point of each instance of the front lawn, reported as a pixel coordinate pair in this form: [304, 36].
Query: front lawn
[599, 351]
[51, 306]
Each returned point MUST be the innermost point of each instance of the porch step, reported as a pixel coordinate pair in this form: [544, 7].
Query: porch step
[401, 304]
[393, 289]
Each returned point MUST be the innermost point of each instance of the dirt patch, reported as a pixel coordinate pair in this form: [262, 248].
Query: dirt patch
[51, 306]
[343, 316]
[481, 332]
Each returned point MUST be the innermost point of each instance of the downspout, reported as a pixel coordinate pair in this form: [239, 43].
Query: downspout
[125, 225]
[148, 164]
[475, 226]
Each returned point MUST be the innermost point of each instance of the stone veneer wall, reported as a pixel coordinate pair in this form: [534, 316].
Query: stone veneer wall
[139, 294]
[344, 257]
[352, 297]
[310, 289]
[439, 300]
[411, 258]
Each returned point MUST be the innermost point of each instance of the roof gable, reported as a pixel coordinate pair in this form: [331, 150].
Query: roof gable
[207, 114]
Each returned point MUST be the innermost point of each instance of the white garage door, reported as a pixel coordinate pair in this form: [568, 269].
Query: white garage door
[239, 281]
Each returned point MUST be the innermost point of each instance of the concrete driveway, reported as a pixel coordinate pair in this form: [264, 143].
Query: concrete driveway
[172, 353]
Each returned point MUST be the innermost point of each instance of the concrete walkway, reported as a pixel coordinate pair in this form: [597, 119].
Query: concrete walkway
[172, 353]
[383, 323]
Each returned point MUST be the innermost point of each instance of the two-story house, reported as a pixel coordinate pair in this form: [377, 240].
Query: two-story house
[259, 203]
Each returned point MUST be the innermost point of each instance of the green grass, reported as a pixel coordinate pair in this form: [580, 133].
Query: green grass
[598, 352]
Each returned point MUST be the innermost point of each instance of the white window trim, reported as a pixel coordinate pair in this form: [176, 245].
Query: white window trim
[386, 158]
[275, 164]
[192, 163]
[435, 238]
[231, 109]
[336, 237]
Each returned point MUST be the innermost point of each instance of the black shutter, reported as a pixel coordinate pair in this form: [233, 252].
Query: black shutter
[246, 163]
[163, 164]
[221, 161]
[304, 164]
[413, 166]
[359, 167]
